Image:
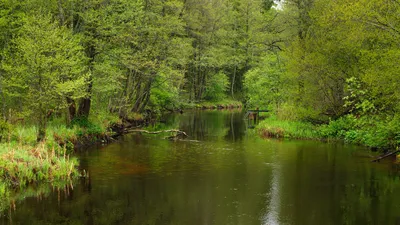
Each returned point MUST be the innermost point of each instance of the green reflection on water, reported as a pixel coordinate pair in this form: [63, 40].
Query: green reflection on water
[229, 177]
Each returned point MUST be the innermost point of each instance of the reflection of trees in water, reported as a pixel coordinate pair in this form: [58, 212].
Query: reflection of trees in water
[205, 125]
[213, 125]
[237, 126]
[327, 183]
[272, 216]
[12, 200]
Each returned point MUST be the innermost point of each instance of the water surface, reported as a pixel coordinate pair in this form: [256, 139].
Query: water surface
[226, 176]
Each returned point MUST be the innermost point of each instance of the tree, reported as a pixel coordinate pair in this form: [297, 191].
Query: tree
[264, 84]
[11, 20]
[50, 64]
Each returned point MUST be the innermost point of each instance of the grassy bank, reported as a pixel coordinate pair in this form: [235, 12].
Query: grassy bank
[24, 164]
[374, 132]
[23, 160]
[274, 128]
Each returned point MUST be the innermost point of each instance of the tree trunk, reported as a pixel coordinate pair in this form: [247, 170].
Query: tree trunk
[233, 81]
[71, 109]
[85, 104]
[146, 96]
[84, 107]
[41, 135]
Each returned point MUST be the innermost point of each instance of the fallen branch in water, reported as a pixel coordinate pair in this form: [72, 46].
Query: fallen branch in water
[385, 155]
[157, 132]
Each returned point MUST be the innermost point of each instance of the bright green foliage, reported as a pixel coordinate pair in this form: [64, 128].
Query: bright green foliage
[216, 87]
[358, 101]
[376, 131]
[348, 54]
[340, 67]
[165, 94]
[263, 84]
[128, 56]
[272, 127]
[49, 65]
[11, 20]
[228, 36]
[91, 63]
[70, 69]
[4, 195]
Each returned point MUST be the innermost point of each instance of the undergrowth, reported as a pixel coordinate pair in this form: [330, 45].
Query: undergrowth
[378, 132]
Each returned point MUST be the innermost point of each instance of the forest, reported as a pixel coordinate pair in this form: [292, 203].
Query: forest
[70, 68]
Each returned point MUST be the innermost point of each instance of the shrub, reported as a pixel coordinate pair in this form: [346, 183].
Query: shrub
[372, 131]
[86, 126]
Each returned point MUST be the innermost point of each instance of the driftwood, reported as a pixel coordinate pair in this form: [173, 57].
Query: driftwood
[179, 132]
[385, 155]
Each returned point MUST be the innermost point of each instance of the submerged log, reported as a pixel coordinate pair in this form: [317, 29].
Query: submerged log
[385, 155]
[180, 134]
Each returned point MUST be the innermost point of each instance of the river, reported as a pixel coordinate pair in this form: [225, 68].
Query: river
[224, 174]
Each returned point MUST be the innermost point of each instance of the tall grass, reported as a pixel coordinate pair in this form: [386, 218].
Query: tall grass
[272, 127]
[24, 161]
[23, 164]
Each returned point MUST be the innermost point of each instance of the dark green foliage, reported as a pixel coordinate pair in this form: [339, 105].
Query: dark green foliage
[88, 128]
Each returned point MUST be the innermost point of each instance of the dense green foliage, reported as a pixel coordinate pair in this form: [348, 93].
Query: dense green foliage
[374, 132]
[314, 61]
[69, 69]
[69, 59]
[339, 67]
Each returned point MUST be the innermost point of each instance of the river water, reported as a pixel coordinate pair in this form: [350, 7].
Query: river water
[224, 174]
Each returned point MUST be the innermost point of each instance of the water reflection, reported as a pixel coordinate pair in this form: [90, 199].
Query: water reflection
[272, 216]
[229, 177]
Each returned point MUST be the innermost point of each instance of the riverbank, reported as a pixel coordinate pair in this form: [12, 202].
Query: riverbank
[24, 164]
[24, 161]
[227, 104]
[224, 104]
[377, 133]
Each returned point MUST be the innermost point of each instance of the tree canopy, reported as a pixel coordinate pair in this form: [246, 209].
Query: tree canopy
[306, 59]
